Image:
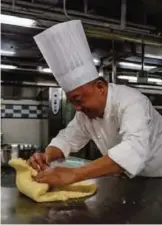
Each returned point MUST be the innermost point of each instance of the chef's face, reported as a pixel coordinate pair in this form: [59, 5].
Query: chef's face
[90, 98]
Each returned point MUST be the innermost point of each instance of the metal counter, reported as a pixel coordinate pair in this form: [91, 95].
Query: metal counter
[118, 200]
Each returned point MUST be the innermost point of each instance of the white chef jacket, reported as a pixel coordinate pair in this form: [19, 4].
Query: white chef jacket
[130, 132]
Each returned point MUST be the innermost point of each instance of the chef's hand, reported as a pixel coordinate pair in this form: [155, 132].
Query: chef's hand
[58, 176]
[39, 161]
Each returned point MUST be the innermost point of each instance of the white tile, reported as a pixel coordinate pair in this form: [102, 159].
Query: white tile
[18, 115]
[39, 111]
[8, 110]
[3, 106]
[25, 111]
[18, 107]
[2, 114]
[33, 107]
[32, 116]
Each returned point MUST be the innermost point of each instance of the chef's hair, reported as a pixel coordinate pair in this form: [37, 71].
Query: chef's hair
[101, 79]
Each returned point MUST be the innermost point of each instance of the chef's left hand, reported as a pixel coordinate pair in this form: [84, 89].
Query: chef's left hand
[57, 176]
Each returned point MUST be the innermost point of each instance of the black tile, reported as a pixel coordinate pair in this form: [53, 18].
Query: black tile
[17, 110]
[44, 116]
[9, 115]
[9, 106]
[39, 116]
[32, 111]
[25, 106]
[39, 107]
[25, 116]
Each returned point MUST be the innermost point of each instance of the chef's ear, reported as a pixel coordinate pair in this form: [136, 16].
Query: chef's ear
[101, 84]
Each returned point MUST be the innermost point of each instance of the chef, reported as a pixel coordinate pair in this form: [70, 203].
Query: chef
[119, 119]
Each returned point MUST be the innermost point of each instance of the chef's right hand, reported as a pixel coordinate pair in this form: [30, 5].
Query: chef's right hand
[39, 161]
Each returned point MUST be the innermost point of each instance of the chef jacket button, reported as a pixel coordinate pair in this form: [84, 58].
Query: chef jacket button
[99, 136]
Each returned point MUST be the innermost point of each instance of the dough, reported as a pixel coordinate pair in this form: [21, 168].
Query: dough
[39, 191]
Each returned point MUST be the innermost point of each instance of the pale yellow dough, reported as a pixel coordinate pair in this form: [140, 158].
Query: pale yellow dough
[39, 192]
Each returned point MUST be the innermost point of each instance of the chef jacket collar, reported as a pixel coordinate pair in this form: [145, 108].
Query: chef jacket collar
[108, 106]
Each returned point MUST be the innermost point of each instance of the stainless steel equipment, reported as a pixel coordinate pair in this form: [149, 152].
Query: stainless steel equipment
[10, 151]
[2, 138]
[26, 150]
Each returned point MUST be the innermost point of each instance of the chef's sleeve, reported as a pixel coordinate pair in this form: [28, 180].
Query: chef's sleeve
[132, 152]
[71, 139]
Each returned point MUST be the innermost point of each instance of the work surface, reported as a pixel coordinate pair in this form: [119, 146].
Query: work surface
[118, 200]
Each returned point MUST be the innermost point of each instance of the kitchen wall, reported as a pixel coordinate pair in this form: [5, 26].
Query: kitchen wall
[27, 117]
[24, 119]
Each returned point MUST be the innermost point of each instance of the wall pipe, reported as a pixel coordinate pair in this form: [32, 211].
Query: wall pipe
[123, 14]
[114, 62]
[43, 7]
[97, 29]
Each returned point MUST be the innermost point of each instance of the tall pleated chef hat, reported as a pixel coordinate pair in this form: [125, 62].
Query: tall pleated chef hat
[66, 51]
